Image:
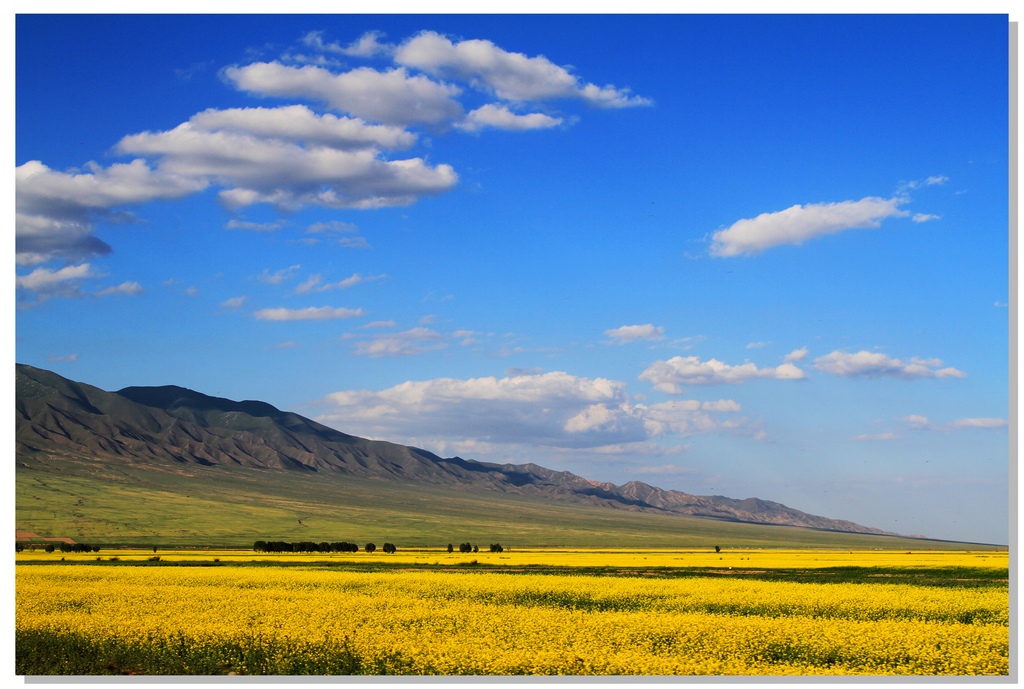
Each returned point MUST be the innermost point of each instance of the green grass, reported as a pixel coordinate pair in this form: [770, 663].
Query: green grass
[108, 504]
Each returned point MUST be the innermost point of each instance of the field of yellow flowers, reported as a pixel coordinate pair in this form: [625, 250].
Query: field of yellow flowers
[297, 617]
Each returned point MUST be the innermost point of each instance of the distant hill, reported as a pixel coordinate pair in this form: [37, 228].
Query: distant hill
[170, 425]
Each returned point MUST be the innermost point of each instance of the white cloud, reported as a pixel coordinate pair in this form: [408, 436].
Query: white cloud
[379, 324]
[310, 313]
[334, 226]
[798, 224]
[308, 285]
[500, 117]
[755, 345]
[56, 211]
[865, 364]
[297, 123]
[796, 355]
[552, 409]
[233, 302]
[936, 180]
[313, 284]
[276, 278]
[392, 97]
[130, 288]
[877, 436]
[510, 76]
[254, 226]
[289, 174]
[64, 357]
[406, 343]
[367, 45]
[980, 423]
[670, 376]
[916, 421]
[62, 282]
[634, 333]
[925, 217]
[290, 156]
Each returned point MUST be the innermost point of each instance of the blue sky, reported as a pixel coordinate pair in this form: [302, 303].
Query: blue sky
[739, 255]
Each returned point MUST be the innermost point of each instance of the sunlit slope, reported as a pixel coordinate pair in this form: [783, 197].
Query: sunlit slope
[137, 504]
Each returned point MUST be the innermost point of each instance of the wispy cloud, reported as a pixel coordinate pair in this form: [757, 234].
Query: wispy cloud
[316, 284]
[129, 289]
[865, 364]
[876, 436]
[406, 343]
[254, 226]
[310, 313]
[278, 276]
[797, 224]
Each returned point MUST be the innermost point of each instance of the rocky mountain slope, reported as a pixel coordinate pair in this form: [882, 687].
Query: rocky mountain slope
[57, 418]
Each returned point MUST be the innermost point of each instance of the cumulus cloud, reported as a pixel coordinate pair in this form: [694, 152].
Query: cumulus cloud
[56, 212]
[634, 333]
[500, 117]
[670, 376]
[916, 421]
[796, 355]
[865, 364]
[798, 224]
[390, 97]
[300, 124]
[311, 313]
[553, 409]
[510, 76]
[292, 156]
[288, 174]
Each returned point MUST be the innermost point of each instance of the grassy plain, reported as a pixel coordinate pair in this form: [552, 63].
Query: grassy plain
[532, 612]
[138, 505]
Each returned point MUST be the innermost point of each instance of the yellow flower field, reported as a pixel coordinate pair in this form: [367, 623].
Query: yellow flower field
[311, 619]
[583, 557]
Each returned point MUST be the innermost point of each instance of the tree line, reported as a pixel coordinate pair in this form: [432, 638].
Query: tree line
[470, 548]
[322, 547]
[64, 548]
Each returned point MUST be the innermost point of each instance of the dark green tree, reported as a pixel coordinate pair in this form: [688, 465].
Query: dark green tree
[370, 547]
[450, 547]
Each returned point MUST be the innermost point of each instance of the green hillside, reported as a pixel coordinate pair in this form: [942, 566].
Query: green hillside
[109, 503]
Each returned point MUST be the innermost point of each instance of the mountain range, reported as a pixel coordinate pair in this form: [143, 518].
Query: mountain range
[170, 425]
